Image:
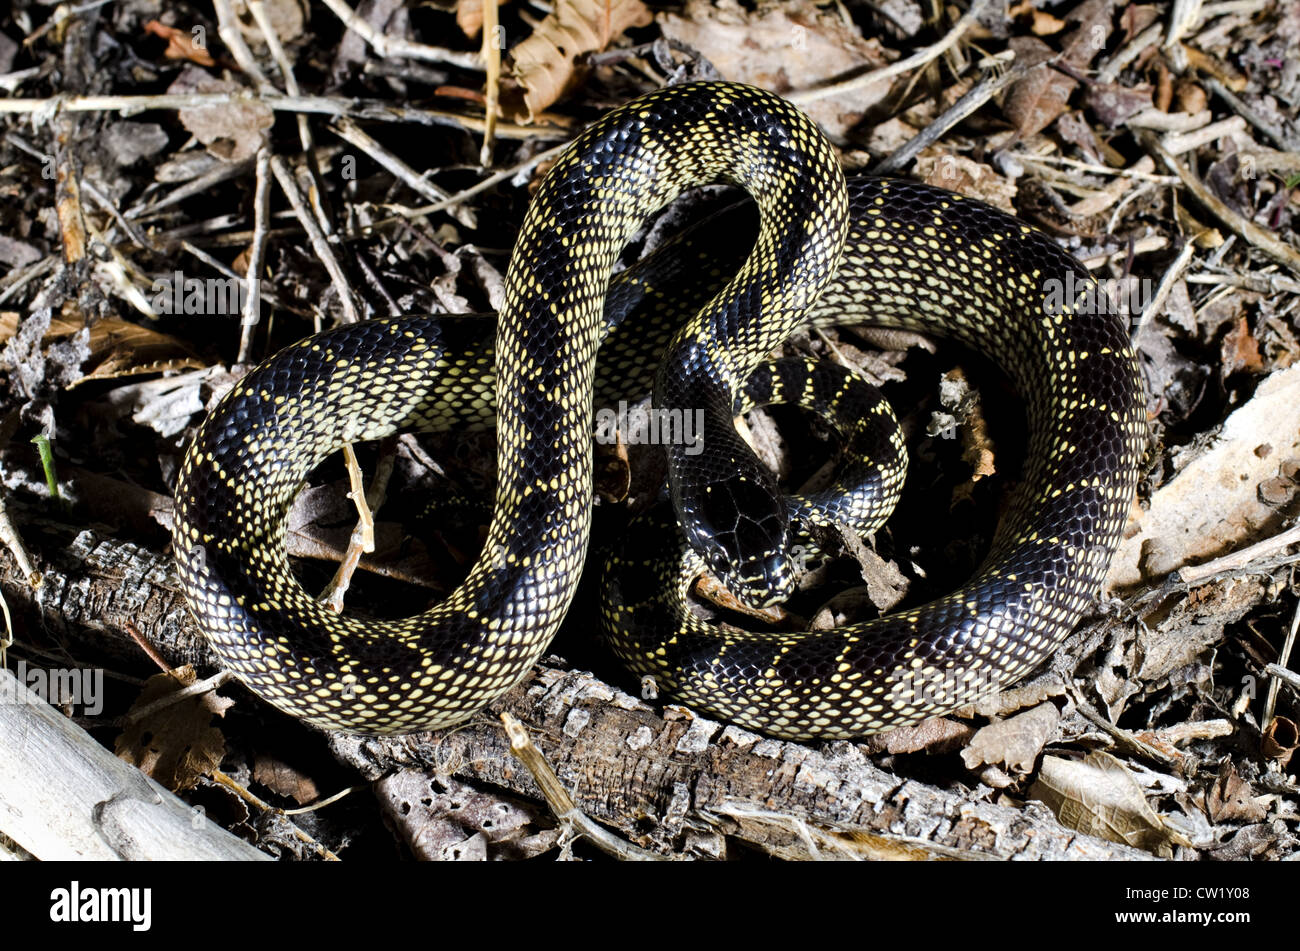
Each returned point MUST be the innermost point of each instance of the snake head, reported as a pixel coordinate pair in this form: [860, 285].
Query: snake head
[739, 527]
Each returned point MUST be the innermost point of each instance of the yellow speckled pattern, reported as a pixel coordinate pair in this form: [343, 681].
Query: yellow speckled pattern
[251, 454]
[914, 257]
[920, 258]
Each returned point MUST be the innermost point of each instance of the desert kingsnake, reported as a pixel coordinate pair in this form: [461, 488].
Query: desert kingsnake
[915, 257]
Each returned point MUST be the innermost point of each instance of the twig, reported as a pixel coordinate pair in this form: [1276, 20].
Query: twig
[102, 200]
[322, 105]
[1154, 242]
[247, 796]
[976, 96]
[353, 134]
[1125, 739]
[233, 37]
[561, 803]
[1183, 15]
[492, 82]
[1176, 143]
[1283, 658]
[1274, 247]
[483, 185]
[20, 277]
[386, 45]
[1114, 66]
[1289, 677]
[1280, 137]
[252, 314]
[144, 644]
[1262, 283]
[221, 268]
[258, 9]
[919, 58]
[184, 693]
[225, 171]
[1167, 282]
[366, 501]
[327, 801]
[319, 243]
[1239, 559]
[1134, 171]
[14, 542]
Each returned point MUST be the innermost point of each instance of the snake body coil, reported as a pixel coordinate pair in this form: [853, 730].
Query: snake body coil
[915, 257]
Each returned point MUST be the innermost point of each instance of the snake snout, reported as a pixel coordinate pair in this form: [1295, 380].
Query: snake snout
[742, 530]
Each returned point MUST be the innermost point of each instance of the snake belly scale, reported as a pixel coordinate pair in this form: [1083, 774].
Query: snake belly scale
[914, 257]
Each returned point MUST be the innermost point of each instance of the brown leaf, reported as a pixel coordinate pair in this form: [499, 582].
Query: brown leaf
[1230, 798]
[282, 779]
[966, 176]
[1090, 35]
[1241, 350]
[231, 131]
[1114, 104]
[176, 744]
[936, 735]
[1280, 740]
[783, 45]
[117, 347]
[1099, 796]
[1014, 743]
[1136, 18]
[543, 65]
[180, 44]
[1040, 96]
[469, 15]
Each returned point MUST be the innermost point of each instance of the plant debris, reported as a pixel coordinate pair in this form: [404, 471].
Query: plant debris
[189, 188]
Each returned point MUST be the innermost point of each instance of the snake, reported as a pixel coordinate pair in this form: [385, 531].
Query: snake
[887, 252]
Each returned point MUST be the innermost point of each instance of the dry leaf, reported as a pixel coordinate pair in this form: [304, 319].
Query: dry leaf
[117, 347]
[469, 15]
[935, 735]
[1006, 702]
[1036, 100]
[1114, 104]
[543, 65]
[1212, 506]
[1044, 24]
[1091, 33]
[177, 743]
[1098, 796]
[1014, 743]
[287, 18]
[1280, 740]
[282, 779]
[1241, 350]
[964, 175]
[233, 131]
[180, 44]
[1230, 799]
[792, 44]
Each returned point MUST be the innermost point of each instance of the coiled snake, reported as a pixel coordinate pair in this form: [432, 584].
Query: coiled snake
[890, 253]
